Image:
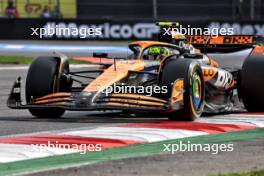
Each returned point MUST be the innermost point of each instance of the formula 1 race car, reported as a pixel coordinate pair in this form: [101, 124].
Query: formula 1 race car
[171, 78]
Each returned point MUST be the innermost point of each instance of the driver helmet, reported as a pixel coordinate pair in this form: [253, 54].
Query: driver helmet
[178, 38]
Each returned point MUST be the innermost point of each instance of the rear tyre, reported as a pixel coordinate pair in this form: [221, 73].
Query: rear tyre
[194, 87]
[43, 79]
[252, 84]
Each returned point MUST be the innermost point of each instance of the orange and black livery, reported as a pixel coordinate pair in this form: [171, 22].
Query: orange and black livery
[186, 73]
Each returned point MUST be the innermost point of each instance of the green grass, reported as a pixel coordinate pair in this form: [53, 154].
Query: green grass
[15, 60]
[252, 173]
[78, 62]
[26, 60]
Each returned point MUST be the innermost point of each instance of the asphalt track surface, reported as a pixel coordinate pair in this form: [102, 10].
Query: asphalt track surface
[248, 155]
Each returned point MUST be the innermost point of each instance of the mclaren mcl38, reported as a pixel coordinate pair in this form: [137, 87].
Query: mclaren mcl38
[180, 80]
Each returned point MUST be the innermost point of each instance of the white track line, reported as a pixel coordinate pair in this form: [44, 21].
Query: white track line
[14, 68]
[26, 67]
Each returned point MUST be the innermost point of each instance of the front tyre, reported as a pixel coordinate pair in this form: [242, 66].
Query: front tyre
[194, 87]
[42, 79]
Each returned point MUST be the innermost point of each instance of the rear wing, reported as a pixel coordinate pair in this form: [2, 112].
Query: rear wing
[221, 40]
[227, 43]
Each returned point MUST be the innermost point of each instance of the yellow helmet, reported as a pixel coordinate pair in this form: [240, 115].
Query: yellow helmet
[178, 36]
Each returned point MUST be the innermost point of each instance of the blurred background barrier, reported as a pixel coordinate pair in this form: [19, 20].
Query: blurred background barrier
[169, 10]
[112, 30]
[127, 19]
[39, 8]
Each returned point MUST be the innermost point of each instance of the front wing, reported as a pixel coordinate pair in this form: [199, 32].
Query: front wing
[85, 101]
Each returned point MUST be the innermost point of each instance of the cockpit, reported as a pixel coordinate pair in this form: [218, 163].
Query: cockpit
[152, 51]
[158, 52]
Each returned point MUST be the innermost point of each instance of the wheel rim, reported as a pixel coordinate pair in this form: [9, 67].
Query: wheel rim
[196, 91]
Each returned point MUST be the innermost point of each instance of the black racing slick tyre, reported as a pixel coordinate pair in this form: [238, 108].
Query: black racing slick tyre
[194, 87]
[252, 84]
[42, 79]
